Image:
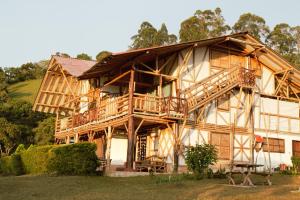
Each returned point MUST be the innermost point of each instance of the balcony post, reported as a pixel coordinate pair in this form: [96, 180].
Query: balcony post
[131, 135]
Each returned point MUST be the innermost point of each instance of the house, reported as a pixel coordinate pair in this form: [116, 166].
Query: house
[227, 91]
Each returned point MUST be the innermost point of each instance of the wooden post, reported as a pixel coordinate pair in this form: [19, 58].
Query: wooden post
[176, 150]
[131, 135]
[108, 147]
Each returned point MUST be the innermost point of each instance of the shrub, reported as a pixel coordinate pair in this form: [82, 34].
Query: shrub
[199, 158]
[11, 165]
[35, 159]
[75, 159]
[296, 164]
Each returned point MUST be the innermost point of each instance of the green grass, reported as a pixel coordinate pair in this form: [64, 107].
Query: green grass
[134, 188]
[26, 90]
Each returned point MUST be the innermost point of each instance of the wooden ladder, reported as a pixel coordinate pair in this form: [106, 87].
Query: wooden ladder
[212, 87]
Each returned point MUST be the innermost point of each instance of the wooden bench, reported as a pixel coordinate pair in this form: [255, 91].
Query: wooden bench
[152, 163]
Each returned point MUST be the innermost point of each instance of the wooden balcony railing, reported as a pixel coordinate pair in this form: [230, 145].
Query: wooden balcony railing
[105, 109]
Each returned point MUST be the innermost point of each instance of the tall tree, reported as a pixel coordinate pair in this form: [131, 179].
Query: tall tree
[252, 23]
[84, 56]
[204, 24]
[282, 40]
[149, 36]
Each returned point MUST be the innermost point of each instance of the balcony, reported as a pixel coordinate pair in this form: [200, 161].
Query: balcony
[110, 108]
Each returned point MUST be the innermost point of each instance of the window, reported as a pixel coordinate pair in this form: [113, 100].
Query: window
[222, 143]
[223, 102]
[276, 145]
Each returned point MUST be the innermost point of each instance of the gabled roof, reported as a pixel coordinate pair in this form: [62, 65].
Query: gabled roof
[73, 66]
[147, 54]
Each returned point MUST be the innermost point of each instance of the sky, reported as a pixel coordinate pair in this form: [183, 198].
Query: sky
[33, 30]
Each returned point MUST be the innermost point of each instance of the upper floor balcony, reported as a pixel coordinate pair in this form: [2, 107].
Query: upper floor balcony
[111, 107]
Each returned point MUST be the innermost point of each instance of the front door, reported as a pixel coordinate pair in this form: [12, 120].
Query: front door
[296, 148]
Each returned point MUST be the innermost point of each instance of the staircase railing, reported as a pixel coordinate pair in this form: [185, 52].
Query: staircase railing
[212, 87]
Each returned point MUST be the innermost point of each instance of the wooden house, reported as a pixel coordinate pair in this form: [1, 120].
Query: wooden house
[155, 102]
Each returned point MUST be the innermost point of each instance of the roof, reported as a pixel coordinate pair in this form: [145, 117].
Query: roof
[146, 54]
[73, 66]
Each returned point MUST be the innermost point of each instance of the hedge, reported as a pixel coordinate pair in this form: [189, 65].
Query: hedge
[35, 159]
[78, 159]
[74, 159]
[11, 165]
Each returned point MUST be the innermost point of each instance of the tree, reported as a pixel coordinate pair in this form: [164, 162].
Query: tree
[84, 56]
[3, 87]
[204, 24]
[44, 133]
[252, 23]
[103, 54]
[282, 40]
[149, 36]
[10, 136]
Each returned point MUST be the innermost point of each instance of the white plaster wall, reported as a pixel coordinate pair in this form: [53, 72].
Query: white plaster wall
[267, 82]
[118, 152]
[277, 158]
[198, 66]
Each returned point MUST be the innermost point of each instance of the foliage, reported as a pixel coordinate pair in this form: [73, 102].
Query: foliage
[35, 159]
[3, 87]
[26, 71]
[204, 24]
[11, 165]
[252, 23]
[44, 132]
[296, 164]
[200, 157]
[281, 39]
[76, 159]
[20, 149]
[149, 36]
[10, 136]
[102, 55]
[84, 56]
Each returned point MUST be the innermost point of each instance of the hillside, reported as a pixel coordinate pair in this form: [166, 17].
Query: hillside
[26, 90]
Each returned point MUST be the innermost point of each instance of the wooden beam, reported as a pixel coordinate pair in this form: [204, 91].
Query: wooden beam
[131, 132]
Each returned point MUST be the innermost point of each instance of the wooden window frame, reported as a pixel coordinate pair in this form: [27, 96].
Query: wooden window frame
[210, 141]
[272, 145]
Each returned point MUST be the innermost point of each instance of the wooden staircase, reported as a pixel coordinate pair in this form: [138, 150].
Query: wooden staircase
[212, 87]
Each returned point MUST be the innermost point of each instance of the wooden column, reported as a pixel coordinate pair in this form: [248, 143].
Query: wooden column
[108, 147]
[176, 150]
[131, 135]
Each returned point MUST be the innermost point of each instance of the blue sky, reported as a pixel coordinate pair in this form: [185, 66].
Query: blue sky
[32, 30]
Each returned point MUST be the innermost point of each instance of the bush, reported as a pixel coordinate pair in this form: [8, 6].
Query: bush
[11, 165]
[296, 164]
[35, 159]
[76, 159]
[199, 158]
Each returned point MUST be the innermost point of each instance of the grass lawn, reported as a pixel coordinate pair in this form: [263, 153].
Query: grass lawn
[26, 90]
[131, 188]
